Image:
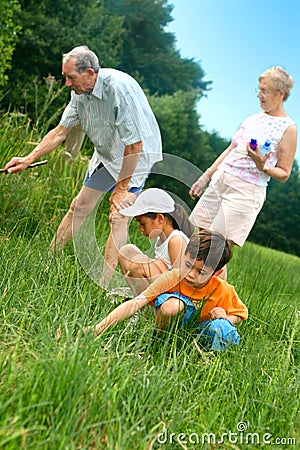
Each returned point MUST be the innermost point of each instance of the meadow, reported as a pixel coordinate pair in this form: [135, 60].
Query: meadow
[63, 389]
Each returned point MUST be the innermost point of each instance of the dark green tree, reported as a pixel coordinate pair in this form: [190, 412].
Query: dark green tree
[179, 121]
[183, 137]
[8, 37]
[217, 145]
[127, 34]
[49, 29]
[149, 51]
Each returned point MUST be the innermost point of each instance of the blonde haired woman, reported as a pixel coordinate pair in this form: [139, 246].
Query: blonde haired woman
[239, 177]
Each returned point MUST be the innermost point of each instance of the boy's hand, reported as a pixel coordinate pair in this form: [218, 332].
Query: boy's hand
[217, 313]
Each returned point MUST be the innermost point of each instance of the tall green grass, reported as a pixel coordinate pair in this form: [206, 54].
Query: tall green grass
[62, 389]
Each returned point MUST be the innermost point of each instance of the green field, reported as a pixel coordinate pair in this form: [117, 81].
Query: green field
[62, 389]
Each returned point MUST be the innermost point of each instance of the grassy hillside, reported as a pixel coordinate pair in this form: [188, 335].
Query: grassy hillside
[61, 389]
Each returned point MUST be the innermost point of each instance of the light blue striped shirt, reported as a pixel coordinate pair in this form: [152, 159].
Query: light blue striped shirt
[115, 114]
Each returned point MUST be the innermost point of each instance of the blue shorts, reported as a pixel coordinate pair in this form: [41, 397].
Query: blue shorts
[218, 334]
[215, 334]
[189, 307]
[101, 180]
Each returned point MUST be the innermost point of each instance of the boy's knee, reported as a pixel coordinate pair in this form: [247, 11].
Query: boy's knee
[171, 307]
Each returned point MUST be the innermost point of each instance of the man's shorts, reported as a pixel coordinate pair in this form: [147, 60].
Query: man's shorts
[101, 180]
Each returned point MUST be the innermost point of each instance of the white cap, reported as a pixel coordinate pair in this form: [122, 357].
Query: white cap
[151, 200]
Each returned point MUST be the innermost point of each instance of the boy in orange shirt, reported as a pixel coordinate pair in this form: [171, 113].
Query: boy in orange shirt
[195, 284]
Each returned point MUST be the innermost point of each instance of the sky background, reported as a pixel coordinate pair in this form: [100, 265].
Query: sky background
[235, 41]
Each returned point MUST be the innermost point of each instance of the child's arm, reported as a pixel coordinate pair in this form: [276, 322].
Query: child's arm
[176, 249]
[126, 309]
[220, 313]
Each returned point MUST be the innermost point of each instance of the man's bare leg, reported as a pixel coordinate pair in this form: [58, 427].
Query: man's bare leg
[80, 207]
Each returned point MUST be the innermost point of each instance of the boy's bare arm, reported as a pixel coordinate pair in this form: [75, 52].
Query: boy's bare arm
[234, 319]
[126, 309]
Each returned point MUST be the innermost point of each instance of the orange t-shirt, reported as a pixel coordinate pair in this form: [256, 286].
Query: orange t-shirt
[217, 292]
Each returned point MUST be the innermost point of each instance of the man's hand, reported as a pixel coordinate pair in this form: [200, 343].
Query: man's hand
[116, 198]
[52, 139]
[120, 199]
[17, 164]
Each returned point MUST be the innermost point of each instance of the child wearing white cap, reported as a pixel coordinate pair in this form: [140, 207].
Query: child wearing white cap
[162, 219]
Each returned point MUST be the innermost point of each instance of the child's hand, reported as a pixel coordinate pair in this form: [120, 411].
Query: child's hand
[217, 313]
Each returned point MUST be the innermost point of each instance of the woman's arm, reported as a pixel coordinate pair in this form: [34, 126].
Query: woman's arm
[286, 155]
[220, 158]
[197, 187]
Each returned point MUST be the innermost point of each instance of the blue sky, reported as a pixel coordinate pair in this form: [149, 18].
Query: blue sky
[235, 41]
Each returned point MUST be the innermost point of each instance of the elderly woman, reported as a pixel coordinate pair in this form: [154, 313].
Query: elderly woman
[239, 176]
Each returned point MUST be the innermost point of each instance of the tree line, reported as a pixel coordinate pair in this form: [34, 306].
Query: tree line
[130, 35]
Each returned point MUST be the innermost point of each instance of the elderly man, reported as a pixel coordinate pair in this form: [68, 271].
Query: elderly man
[113, 111]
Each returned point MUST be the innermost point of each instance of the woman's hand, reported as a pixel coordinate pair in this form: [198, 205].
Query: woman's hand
[257, 157]
[197, 187]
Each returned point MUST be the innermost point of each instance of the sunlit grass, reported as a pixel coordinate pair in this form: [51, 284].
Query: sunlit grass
[62, 389]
